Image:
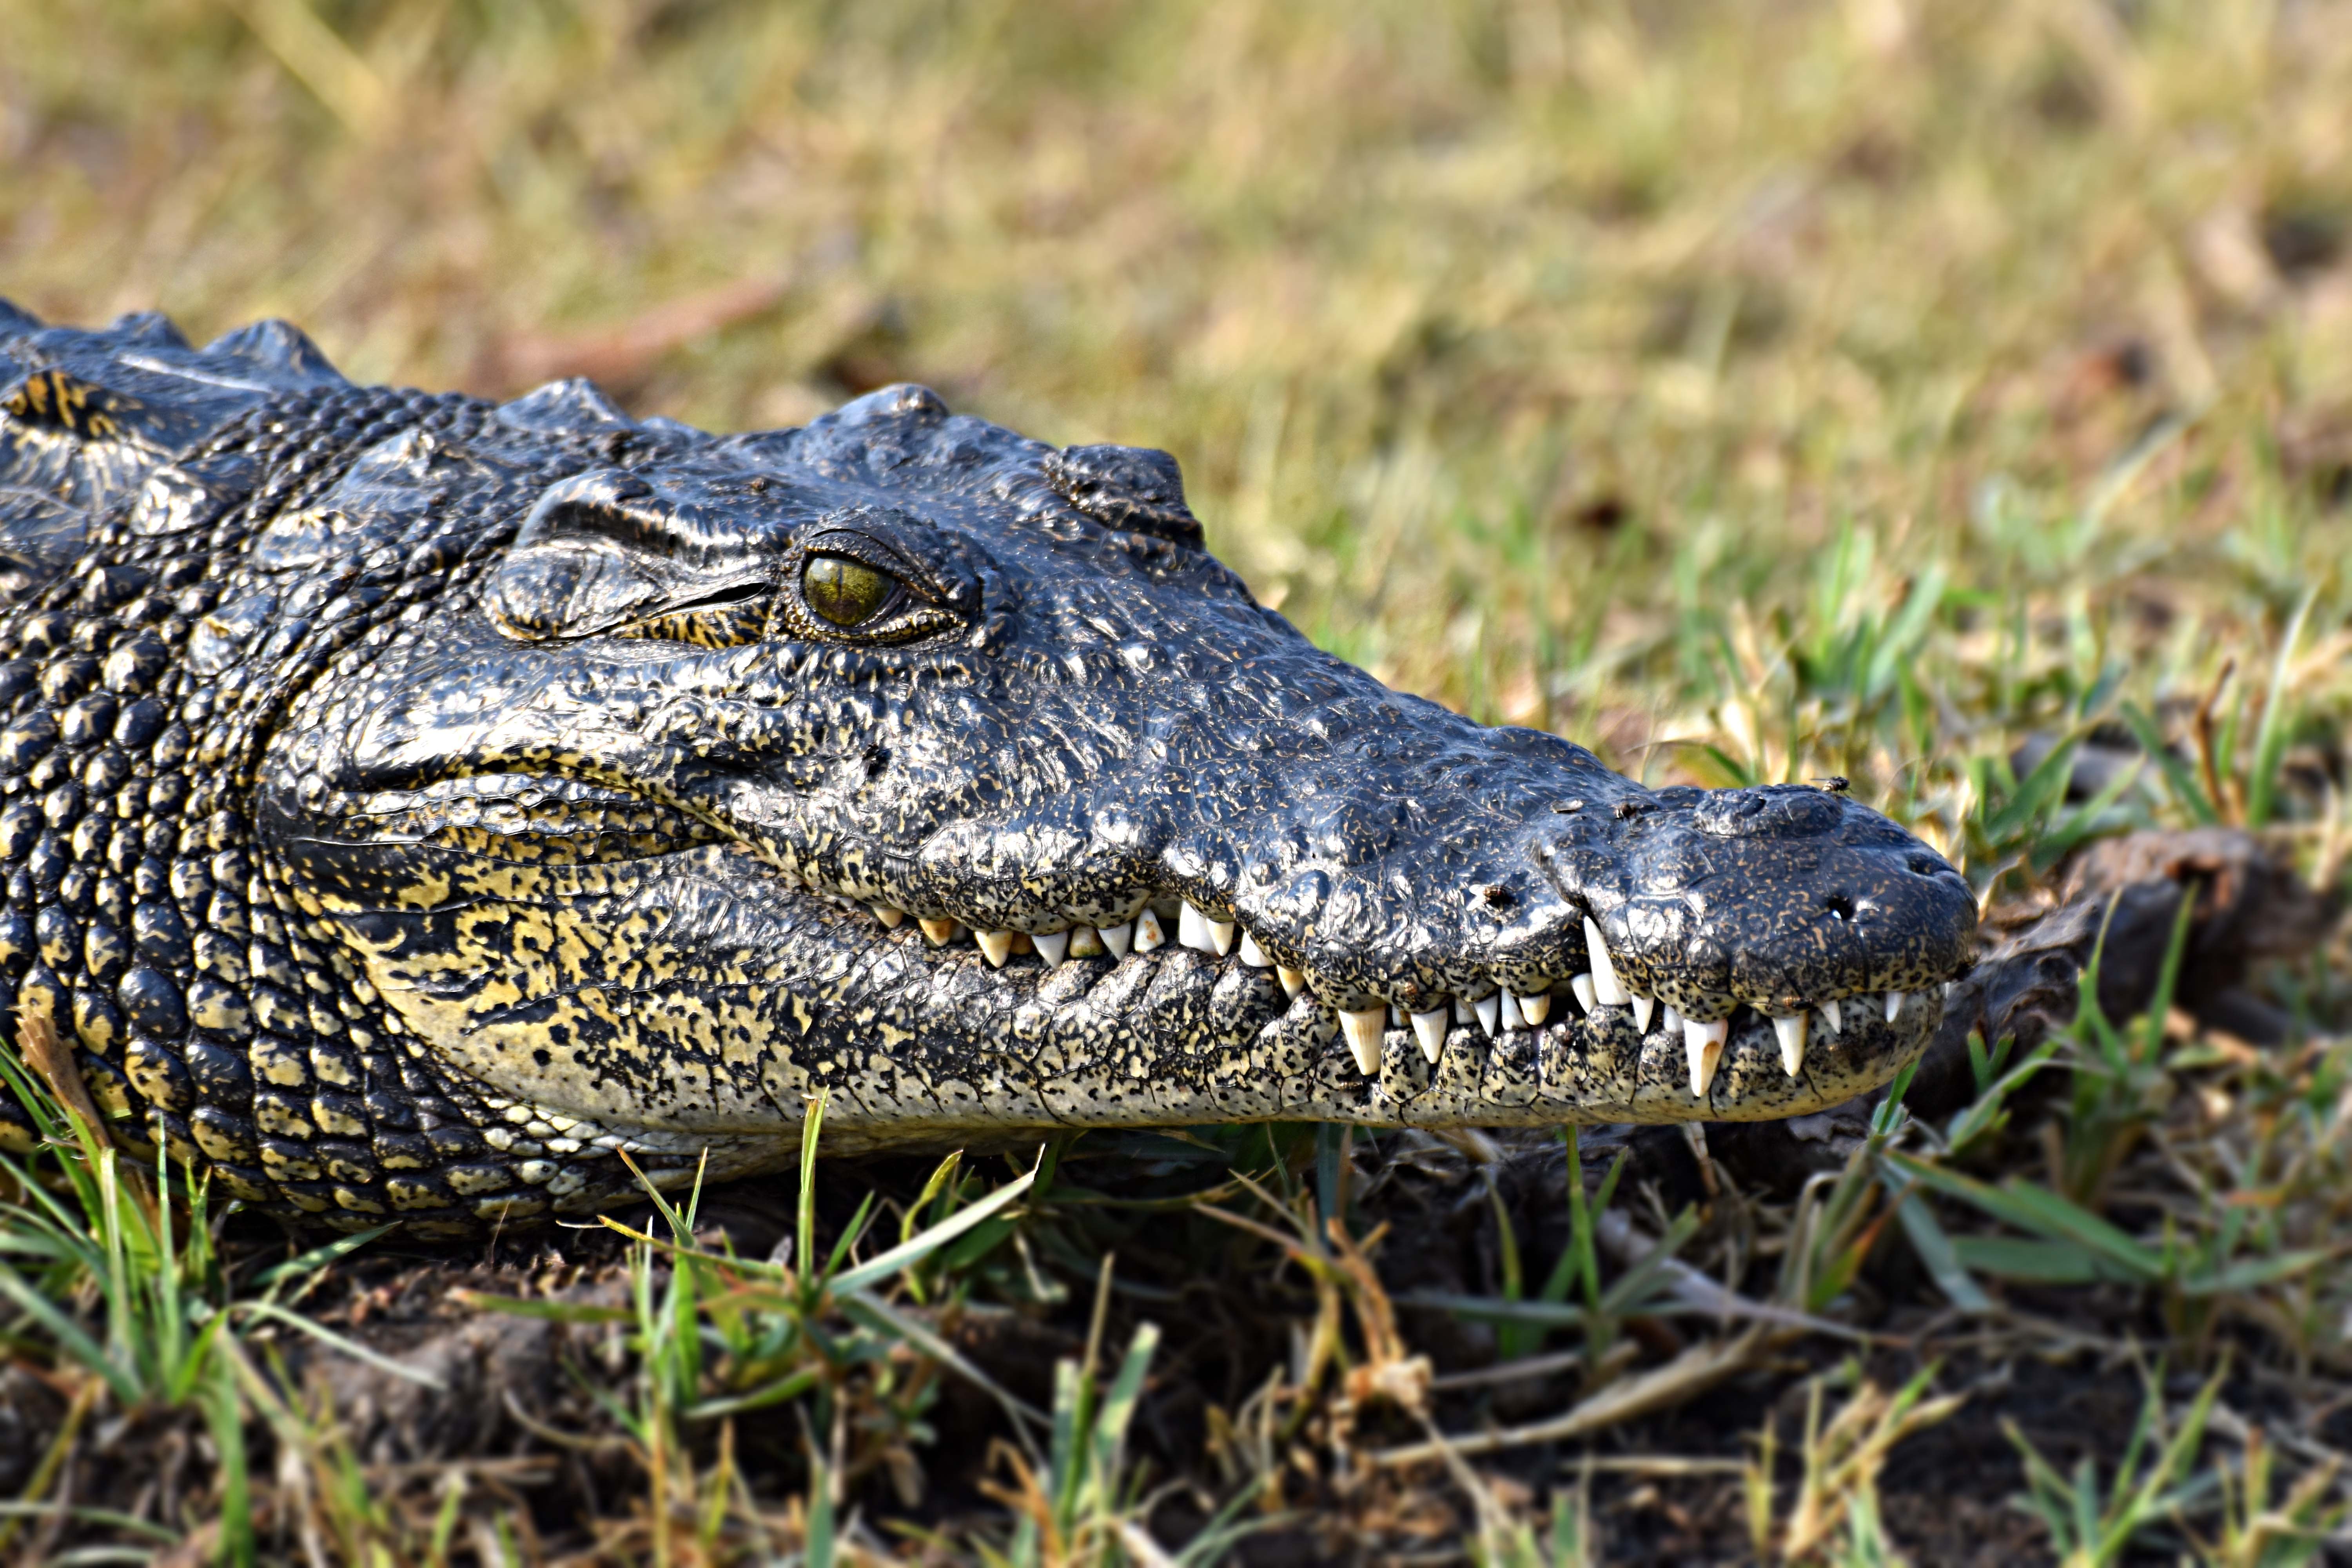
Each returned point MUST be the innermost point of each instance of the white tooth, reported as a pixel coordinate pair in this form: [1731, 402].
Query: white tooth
[1895, 1004]
[1396, 1017]
[1087, 942]
[1053, 946]
[1510, 1012]
[996, 946]
[1534, 1009]
[1642, 1008]
[1429, 1028]
[1792, 1031]
[1202, 934]
[1117, 940]
[1833, 1017]
[1253, 954]
[1465, 1011]
[941, 932]
[1672, 1021]
[1148, 934]
[1293, 981]
[1604, 970]
[1489, 1009]
[1702, 1043]
[1363, 1031]
[1585, 996]
[891, 918]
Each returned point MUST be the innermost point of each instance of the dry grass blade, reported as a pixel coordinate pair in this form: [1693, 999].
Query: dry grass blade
[1689, 1375]
[36, 1037]
[1842, 1461]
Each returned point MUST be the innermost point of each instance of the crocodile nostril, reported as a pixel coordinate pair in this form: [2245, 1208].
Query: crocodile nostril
[1839, 906]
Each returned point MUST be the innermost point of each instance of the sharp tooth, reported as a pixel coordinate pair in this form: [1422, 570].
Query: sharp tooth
[1672, 1021]
[1202, 934]
[941, 932]
[1642, 1008]
[1253, 954]
[1363, 1031]
[1085, 943]
[1117, 940]
[1703, 1043]
[1792, 1031]
[1396, 1017]
[1489, 1009]
[996, 946]
[1585, 996]
[1604, 971]
[1053, 946]
[1510, 1011]
[1148, 934]
[891, 918]
[1429, 1028]
[1832, 1018]
[1895, 1004]
[1534, 1009]
[1465, 1011]
[1293, 981]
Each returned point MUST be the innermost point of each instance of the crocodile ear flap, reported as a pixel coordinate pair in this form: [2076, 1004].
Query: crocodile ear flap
[1138, 490]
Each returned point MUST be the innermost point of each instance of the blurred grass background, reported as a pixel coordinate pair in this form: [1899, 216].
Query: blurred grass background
[1605, 366]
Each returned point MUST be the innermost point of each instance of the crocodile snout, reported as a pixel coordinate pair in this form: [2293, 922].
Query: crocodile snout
[1775, 811]
[1795, 904]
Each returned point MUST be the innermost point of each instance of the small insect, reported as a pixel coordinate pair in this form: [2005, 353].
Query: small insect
[1836, 783]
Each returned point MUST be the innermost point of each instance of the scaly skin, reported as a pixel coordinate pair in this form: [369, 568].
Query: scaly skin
[408, 804]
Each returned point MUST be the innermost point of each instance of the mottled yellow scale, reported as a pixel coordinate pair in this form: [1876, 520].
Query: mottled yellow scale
[681, 1044]
[54, 397]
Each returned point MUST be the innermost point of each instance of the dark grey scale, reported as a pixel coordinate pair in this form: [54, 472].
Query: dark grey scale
[156, 1070]
[106, 955]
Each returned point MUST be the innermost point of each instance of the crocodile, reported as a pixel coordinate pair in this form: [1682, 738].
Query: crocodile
[415, 806]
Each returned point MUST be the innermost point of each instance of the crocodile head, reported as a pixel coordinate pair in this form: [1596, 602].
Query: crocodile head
[905, 758]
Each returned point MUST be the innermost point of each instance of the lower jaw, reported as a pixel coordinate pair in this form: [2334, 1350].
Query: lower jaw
[1594, 1068]
[1297, 1068]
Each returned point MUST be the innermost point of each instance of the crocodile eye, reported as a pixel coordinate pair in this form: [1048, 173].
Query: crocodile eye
[846, 593]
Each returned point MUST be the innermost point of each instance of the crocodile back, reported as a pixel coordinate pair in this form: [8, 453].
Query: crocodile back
[85, 416]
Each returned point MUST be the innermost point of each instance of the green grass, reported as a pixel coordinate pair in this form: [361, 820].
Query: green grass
[1749, 391]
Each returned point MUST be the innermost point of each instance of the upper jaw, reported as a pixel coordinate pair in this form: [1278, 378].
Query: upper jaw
[1682, 906]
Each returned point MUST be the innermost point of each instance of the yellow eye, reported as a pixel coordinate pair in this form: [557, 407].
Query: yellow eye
[846, 593]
